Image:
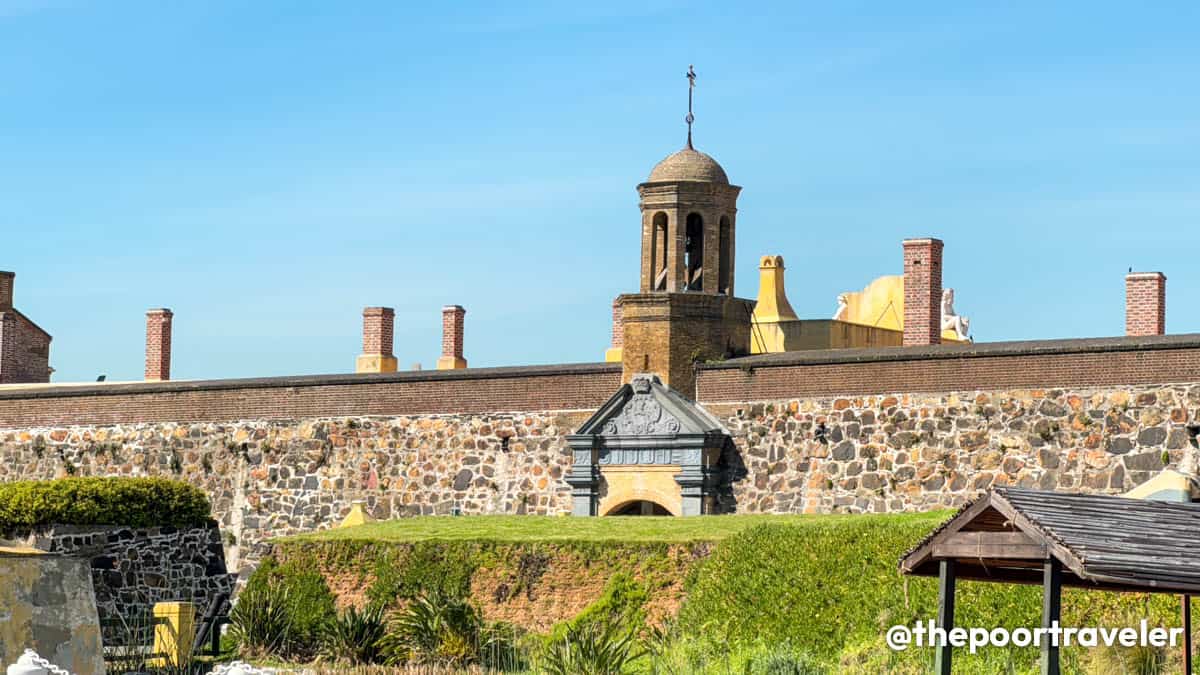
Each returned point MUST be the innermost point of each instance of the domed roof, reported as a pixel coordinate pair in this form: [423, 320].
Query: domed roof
[689, 165]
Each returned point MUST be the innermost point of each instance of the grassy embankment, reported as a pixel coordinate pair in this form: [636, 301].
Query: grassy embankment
[733, 590]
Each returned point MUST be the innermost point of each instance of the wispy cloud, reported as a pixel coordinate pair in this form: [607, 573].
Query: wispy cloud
[17, 8]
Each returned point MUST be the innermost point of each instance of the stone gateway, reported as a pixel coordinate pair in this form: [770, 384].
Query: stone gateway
[648, 444]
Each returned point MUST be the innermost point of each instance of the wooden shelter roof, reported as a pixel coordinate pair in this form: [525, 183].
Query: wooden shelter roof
[1103, 542]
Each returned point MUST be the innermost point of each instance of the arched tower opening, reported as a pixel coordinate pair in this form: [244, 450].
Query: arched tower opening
[693, 245]
[658, 252]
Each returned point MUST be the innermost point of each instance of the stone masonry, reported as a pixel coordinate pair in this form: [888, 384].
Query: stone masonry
[837, 430]
[887, 452]
[133, 568]
[907, 452]
[272, 478]
[48, 607]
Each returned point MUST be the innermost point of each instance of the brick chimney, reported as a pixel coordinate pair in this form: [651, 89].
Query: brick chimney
[922, 292]
[1145, 303]
[379, 324]
[158, 344]
[452, 338]
[6, 290]
[614, 352]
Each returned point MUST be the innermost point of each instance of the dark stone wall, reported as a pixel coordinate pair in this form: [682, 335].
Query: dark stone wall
[134, 568]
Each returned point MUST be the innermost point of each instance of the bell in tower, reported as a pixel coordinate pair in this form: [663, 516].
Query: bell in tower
[685, 312]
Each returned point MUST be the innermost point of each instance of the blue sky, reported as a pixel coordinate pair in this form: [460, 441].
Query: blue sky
[268, 168]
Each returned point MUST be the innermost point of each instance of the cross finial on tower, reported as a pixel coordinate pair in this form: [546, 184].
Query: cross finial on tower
[691, 76]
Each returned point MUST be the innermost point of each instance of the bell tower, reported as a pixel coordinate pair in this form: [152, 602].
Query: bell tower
[689, 212]
[685, 310]
[688, 217]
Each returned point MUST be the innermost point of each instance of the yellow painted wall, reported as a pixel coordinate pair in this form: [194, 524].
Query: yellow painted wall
[805, 334]
[881, 305]
[623, 484]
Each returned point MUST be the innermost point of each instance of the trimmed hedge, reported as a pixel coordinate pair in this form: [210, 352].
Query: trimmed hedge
[132, 502]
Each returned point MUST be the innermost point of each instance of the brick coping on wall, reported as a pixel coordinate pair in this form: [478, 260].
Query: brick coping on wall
[560, 388]
[961, 351]
[1037, 364]
[66, 390]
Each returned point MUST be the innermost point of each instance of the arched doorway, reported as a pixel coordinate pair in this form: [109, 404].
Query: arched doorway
[639, 507]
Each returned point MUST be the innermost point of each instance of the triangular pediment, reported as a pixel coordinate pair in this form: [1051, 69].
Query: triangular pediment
[647, 407]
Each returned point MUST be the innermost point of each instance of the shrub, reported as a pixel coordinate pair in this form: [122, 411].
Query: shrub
[601, 639]
[445, 631]
[259, 622]
[1138, 660]
[354, 636]
[307, 601]
[783, 660]
[132, 502]
[591, 648]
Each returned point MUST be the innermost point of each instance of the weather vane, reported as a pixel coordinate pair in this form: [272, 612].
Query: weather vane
[691, 76]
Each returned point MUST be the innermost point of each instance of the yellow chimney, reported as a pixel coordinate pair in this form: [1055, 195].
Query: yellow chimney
[772, 305]
[773, 319]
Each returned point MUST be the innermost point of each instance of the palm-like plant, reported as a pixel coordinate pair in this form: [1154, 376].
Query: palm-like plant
[354, 636]
[434, 630]
[592, 648]
[260, 622]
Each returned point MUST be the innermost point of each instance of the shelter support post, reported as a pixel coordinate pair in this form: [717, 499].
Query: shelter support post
[1051, 613]
[945, 620]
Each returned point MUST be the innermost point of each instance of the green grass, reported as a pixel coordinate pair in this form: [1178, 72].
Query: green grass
[629, 529]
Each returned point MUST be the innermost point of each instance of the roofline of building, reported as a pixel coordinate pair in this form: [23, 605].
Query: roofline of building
[66, 390]
[28, 320]
[960, 351]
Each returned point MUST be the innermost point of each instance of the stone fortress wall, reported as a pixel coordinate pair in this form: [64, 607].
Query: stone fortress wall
[132, 568]
[855, 430]
[287, 455]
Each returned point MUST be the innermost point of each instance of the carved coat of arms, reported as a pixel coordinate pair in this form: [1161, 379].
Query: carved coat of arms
[641, 416]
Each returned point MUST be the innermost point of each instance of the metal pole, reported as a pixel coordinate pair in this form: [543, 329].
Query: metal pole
[945, 619]
[1185, 602]
[1051, 613]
